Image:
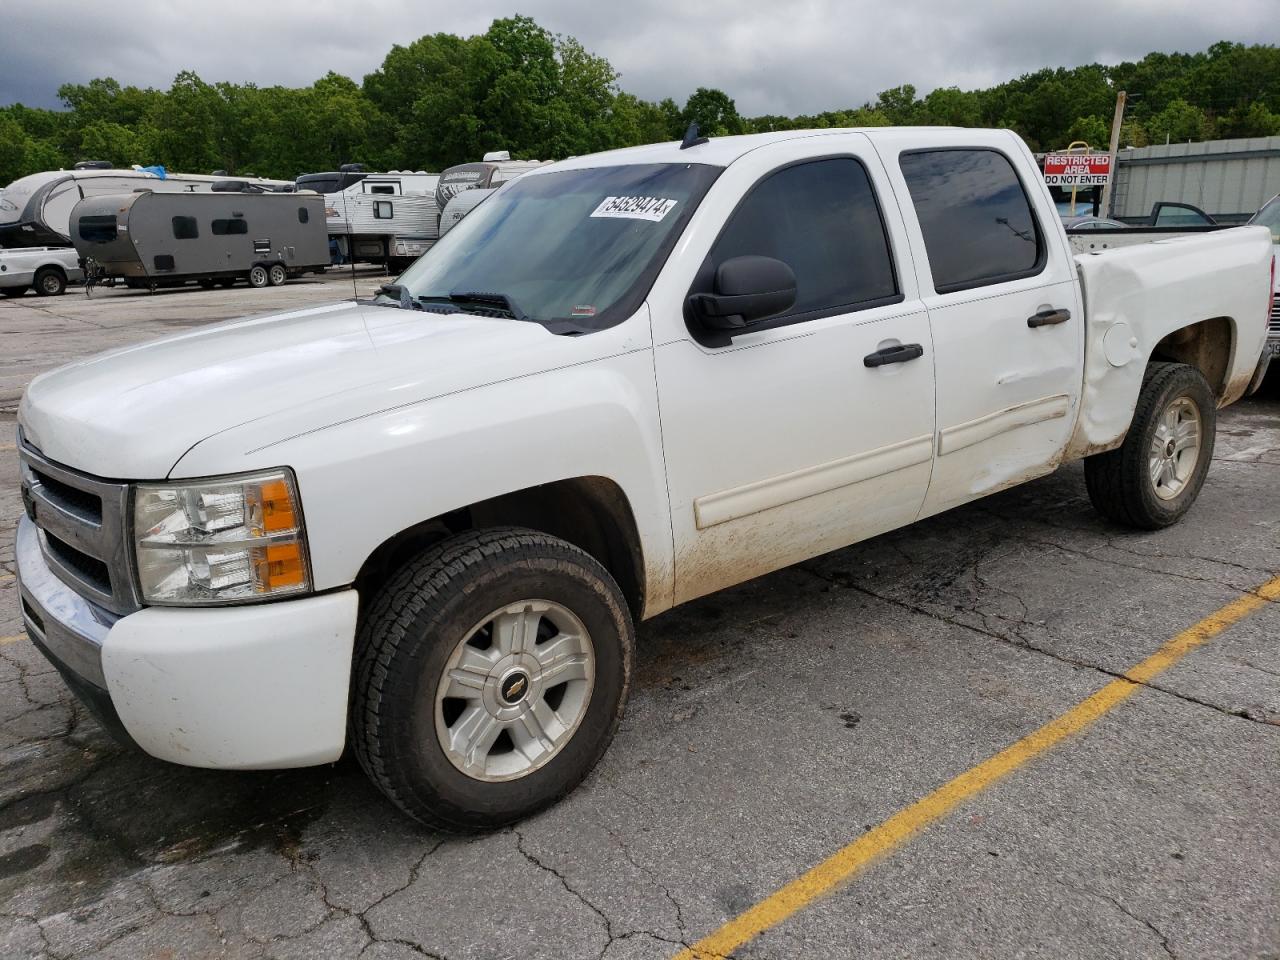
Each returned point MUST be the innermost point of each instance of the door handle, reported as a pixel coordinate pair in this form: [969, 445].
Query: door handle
[899, 354]
[1047, 318]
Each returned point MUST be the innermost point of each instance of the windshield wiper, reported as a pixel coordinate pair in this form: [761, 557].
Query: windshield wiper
[490, 300]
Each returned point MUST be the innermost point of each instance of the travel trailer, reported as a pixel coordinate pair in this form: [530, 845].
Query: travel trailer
[493, 171]
[35, 210]
[389, 218]
[150, 239]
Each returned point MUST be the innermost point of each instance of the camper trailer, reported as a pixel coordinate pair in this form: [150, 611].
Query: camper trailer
[493, 171]
[389, 218]
[166, 239]
[334, 181]
[35, 210]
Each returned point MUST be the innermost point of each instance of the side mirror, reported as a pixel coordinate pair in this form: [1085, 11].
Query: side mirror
[748, 290]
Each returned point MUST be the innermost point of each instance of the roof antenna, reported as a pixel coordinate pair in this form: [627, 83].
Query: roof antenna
[691, 137]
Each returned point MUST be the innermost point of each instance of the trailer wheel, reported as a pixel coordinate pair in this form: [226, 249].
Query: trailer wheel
[276, 276]
[50, 282]
[258, 277]
[13, 291]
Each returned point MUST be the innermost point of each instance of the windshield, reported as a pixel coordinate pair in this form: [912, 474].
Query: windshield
[576, 246]
[1269, 216]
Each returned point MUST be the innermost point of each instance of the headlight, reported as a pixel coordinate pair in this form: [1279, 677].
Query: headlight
[226, 540]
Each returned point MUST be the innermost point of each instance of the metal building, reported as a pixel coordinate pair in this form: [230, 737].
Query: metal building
[1229, 179]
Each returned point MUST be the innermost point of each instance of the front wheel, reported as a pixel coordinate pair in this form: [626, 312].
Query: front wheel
[490, 676]
[276, 276]
[258, 277]
[1154, 477]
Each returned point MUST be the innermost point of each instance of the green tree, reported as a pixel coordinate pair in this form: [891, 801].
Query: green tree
[713, 111]
[1179, 122]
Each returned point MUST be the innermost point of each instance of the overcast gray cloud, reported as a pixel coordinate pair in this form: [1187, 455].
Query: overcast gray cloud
[798, 57]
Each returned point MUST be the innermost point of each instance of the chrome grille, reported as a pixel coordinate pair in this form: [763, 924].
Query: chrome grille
[1275, 316]
[83, 523]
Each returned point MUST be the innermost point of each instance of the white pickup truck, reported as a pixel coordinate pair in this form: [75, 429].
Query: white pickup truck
[424, 526]
[47, 269]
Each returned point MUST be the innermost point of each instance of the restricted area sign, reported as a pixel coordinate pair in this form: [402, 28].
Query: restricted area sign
[1077, 169]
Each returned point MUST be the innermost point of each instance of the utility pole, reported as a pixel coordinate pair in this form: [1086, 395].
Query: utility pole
[1116, 123]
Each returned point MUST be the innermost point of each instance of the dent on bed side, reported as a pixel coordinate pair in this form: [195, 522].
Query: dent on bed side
[1180, 303]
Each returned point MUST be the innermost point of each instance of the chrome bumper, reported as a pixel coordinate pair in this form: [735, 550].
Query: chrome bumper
[66, 627]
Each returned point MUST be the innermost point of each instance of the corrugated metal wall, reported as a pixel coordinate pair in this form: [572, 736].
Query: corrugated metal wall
[1229, 179]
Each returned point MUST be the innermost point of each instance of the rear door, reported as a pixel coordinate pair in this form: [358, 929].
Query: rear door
[1002, 296]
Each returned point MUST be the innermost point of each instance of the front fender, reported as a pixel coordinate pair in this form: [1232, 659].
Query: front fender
[363, 481]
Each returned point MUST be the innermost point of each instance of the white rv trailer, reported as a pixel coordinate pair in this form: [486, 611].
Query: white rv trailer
[35, 210]
[389, 218]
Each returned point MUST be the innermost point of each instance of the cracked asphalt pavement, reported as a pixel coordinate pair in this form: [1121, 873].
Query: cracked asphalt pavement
[770, 725]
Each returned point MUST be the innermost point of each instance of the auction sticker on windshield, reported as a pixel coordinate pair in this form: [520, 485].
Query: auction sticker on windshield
[634, 208]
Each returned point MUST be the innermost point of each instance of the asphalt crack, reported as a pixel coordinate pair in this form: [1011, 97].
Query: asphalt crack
[612, 937]
[1161, 938]
[1022, 643]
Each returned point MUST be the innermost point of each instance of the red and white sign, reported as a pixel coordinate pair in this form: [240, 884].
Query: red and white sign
[1077, 169]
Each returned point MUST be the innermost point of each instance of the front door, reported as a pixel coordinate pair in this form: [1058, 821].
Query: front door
[794, 438]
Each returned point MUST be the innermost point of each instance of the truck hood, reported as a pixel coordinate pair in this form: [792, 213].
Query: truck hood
[132, 413]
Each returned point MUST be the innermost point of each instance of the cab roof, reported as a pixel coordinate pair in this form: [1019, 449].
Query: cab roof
[717, 151]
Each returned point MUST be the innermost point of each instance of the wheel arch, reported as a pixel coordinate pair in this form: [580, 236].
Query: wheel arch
[1208, 345]
[592, 513]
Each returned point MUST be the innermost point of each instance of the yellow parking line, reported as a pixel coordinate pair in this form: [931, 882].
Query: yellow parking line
[903, 825]
[8, 446]
[6, 577]
[5, 641]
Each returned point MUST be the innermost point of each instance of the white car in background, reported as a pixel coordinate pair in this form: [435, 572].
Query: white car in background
[47, 269]
[1269, 217]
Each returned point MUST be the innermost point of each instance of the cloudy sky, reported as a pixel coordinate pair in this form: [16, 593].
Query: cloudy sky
[772, 56]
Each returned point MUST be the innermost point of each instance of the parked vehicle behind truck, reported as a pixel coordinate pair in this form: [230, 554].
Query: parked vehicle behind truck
[168, 239]
[1269, 217]
[47, 270]
[424, 526]
[36, 210]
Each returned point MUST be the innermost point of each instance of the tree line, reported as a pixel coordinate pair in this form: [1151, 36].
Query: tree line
[444, 99]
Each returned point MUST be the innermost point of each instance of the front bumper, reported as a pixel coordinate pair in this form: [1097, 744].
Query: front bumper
[245, 688]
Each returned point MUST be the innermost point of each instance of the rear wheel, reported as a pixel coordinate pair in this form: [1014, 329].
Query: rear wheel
[50, 282]
[490, 676]
[276, 276]
[1154, 477]
[13, 291]
[258, 277]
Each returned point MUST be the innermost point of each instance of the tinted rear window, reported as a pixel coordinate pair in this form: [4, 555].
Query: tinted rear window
[98, 229]
[222, 228]
[976, 219]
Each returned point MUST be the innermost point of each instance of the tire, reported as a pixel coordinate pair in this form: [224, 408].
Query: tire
[50, 282]
[412, 635]
[13, 291]
[276, 275]
[1138, 485]
[258, 277]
